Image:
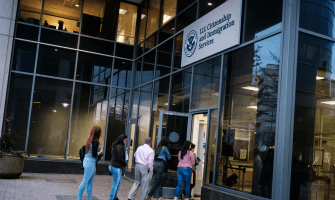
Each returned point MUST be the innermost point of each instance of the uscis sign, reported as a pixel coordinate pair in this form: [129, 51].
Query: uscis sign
[214, 32]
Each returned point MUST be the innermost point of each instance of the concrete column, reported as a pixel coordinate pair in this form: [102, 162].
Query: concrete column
[8, 9]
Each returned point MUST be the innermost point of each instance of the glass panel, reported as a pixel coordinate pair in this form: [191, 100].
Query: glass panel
[55, 61]
[168, 11]
[24, 56]
[211, 147]
[165, 53]
[134, 111]
[17, 108]
[143, 21]
[99, 18]
[140, 49]
[182, 4]
[49, 118]
[262, 17]
[122, 73]
[187, 18]
[124, 51]
[180, 91]
[127, 23]
[99, 46]
[162, 86]
[160, 102]
[89, 108]
[26, 32]
[177, 51]
[153, 16]
[151, 42]
[62, 15]
[59, 38]
[93, 68]
[247, 134]
[147, 73]
[150, 57]
[312, 175]
[166, 32]
[143, 116]
[161, 71]
[206, 6]
[206, 84]
[138, 70]
[30, 11]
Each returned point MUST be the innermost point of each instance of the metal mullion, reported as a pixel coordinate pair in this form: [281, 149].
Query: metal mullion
[25, 23]
[107, 120]
[80, 81]
[142, 64]
[234, 192]
[151, 109]
[191, 90]
[206, 147]
[116, 28]
[145, 26]
[97, 38]
[81, 22]
[56, 30]
[53, 77]
[244, 19]
[198, 10]
[325, 37]
[205, 108]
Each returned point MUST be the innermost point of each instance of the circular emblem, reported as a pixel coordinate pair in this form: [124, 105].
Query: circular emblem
[191, 43]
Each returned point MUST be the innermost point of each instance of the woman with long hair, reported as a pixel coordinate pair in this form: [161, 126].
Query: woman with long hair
[92, 151]
[117, 164]
[161, 156]
[184, 171]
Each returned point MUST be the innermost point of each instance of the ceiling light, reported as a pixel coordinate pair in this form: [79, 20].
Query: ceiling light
[251, 88]
[54, 110]
[319, 78]
[122, 12]
[36, 102]
[210, 4]
[329, 102]
[253, 107]
[142, 16]
[77, 5]
[166, 104]
[172, 28]
[65, 105]
[166, 18]
[56, 49]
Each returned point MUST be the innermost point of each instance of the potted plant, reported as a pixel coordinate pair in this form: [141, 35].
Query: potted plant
[11, 162]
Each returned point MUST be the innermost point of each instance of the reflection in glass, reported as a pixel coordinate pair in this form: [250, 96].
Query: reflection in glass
[49, 118]
[124, 51]
[180, 91]
[151, 42]
[94, 68]
[313, 134]
[206, 6]
[211, 147]
[161, 71]
[62, 15]
[247, 133]
[153, 16]
[147, 73]
[206, 84]
[135, 97]
[59, 38]
[24, 56]
[184, 4]
[177, 51]
[137, 76]
[30, 11]
[262, 17]
[17, 108]
[166, 32]
[26, 32]
[165, 53]
[55, 61]
[140, 49]
[127, 23]
[89, 108]
[168, 11]
[143, 21]
[150, 57]
[96, 45]
[99, 18]
[187, 18]
[122, 73]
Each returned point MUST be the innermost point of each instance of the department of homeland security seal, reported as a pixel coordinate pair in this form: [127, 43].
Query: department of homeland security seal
[191, 43]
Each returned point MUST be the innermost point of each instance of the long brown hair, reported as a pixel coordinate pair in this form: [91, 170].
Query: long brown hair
[94, 135]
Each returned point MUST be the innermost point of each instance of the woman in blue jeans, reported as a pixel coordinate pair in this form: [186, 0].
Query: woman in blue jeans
[92, 151]
[117, 163]
[184, 171]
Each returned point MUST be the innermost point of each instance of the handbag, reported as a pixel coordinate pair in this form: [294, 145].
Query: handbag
[232, 179]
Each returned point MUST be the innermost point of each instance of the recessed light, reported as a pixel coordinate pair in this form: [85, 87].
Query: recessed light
[319, 78]
[329, 102]
[65, 105]
[54, 110]
[250, 88]
[77, 5]
[253, 107]
[56, 49]
[210, 4]
[172, 28]
[122, 11]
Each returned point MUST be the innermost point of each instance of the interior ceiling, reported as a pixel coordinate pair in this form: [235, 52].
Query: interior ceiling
[135, 1]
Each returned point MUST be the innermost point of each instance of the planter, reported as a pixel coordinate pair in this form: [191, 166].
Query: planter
[11, 166]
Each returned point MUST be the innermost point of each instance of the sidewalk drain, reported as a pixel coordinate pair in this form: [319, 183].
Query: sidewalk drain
[69, 197]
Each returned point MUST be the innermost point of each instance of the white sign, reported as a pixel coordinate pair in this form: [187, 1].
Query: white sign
[216, 31]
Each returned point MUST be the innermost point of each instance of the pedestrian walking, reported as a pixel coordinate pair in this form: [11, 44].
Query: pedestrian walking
[194, 168]
[184, 171]
[162, 155]
[92, 151]
[117, 164]
[144, 157]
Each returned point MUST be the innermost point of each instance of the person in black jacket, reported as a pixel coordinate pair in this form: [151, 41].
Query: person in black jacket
[92, 152]
[117, 164]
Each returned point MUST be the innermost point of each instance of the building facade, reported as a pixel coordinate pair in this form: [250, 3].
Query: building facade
[263, 109]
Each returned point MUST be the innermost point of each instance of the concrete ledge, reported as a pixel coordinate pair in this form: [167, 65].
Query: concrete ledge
[210, 193]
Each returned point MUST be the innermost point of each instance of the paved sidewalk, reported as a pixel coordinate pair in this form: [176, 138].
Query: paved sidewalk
[31, 186]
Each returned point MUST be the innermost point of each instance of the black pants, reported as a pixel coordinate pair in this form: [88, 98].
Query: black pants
[159, 168]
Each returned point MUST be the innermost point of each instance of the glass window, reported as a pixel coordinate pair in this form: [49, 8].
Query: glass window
[127, 23]
[62, 15]
[150, 57]
[153, 16]
[54, 61]
[147, 73]
[30, 11]
[180, 91]
[49, 120]
[164, 52]
[168, 11]
[143, 21]
[96, 45]
[140, 49]
[151, 42]
[182, 4]
[166, 32]
[122, 73]
[211, 147]
[313, 151]
[136, 95]
[26, 32]
[94, 68]
[59, 38]
[161, 71]
[177, 51]
[262, 17]
[17, 108]
[124, 51]
[207, 6]
[247, 134]
[186, 18]
[138, 70]
[89, 108]
[99, 18]
[206, 84]
[162, 86]
[24, 56]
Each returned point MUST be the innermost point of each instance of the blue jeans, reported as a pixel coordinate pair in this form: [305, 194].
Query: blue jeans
[89, 173]
[184, 174]
[117, 181]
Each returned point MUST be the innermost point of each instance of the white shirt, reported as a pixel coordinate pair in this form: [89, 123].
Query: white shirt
[145, 155]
